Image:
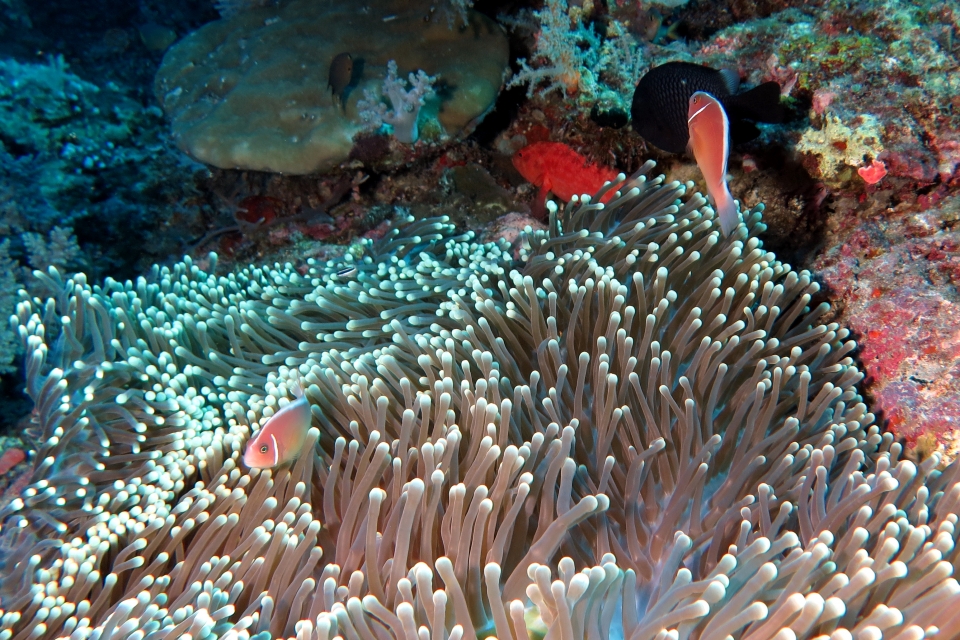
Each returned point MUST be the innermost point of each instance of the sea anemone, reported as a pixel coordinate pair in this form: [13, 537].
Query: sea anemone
[638, 429]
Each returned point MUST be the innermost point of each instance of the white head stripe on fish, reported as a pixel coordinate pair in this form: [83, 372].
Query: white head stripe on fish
[698, 112]
[289, 425]
[276, 450]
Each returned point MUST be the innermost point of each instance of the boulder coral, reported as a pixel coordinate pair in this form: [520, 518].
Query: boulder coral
[251, 92]
[638, 429]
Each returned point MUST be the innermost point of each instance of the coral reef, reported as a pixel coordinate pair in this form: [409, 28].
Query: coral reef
[9, 288]
[898, 284]
[571, 56]
[78, 163]
[639, 426]
[872, 143]
[60, 133]
[69, 148]
[887, 65]
[836, 149]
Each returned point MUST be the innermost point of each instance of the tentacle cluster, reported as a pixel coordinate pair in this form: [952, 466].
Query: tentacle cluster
[639, 430]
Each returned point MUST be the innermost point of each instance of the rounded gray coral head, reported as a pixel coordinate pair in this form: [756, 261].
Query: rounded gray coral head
[251, 91]
[637, 430]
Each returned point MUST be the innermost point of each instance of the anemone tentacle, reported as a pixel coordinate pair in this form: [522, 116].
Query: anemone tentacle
[636, 429]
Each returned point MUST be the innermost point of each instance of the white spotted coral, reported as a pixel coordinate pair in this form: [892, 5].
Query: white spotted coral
[639, 429]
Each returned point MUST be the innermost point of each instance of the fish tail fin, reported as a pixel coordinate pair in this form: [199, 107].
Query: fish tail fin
[762, 103]
[727, 212]
[297, 387]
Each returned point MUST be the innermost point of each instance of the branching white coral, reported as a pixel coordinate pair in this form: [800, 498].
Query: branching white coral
[458, 12]
[60, 249]
[573, 58]
[557, 51]
[405, 103]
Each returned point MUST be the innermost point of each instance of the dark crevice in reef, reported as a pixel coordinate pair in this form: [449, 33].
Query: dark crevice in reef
[499, 119]
[14, 402]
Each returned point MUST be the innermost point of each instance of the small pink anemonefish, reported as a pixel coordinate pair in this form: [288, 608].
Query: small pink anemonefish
[710, 144]
[282, 438]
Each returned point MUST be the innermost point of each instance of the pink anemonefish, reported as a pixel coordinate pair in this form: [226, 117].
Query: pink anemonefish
[282, 438]
[710, 144]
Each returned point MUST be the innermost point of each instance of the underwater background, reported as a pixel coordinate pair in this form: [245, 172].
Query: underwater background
[567, 420]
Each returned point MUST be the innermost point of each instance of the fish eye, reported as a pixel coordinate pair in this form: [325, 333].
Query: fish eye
[264, 449]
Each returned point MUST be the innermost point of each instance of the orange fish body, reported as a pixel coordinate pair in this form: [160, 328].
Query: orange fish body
[710, 144]
[558, 169]
[282, 438]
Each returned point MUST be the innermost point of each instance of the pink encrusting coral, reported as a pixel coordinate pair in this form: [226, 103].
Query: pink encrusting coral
[639, 427]
[898, 286]
[873, 173]
[11, 458]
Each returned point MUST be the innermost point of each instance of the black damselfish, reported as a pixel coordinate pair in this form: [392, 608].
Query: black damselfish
[660, 102]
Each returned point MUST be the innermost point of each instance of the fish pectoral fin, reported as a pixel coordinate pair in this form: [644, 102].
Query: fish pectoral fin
[539, 209]
[297, 387]
[731, 79]
[545, 190]
[546, 185]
